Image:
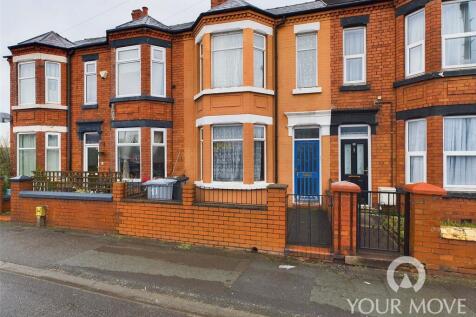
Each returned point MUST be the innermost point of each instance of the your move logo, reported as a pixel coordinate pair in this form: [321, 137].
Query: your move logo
[412, 306]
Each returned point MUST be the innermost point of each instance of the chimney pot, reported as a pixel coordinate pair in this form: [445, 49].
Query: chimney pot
[145, 11]
[215, 3]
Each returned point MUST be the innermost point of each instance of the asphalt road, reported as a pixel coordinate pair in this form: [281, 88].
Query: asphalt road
[25, 296]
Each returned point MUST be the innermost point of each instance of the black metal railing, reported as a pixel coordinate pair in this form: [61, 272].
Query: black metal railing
[253, 198]
[382, 221]
[68, 181]
[308, 220]
[135, 190]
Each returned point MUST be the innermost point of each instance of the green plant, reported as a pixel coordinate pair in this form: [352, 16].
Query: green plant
[453, 223]
[5, 164]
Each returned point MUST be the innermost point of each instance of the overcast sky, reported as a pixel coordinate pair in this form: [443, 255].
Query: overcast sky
[75, 20]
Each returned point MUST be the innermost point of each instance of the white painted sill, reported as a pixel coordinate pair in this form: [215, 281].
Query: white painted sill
[231, 185]
[40, 106]
[303, 91]
[214, 91]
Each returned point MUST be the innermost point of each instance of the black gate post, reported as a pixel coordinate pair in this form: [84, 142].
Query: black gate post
[406, 247]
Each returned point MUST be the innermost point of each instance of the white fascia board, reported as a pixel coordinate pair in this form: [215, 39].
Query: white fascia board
[321, 118]
[214, 91]
[231, 185]
[40, 106]
[233, 26]
[40, 128]
[40, 56]
[306, 28]
[239, 118]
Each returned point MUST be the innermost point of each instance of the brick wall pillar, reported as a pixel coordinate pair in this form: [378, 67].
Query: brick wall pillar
[188, 194]
[276, 202]
[344, 218]
[424, 220]
[17, 185]
[118, 191]
[1, 193]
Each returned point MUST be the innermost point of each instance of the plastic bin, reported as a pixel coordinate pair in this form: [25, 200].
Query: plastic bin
[177, 194]
[160, 189]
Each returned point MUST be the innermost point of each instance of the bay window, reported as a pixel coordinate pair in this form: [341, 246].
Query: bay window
[259, 49]
[228, 153]
[459, 33]
[90, 83]
[159, 153]
[415, 43]
[26, 83]
[200, 63]
[158, 70]
[128, 74]
[460, 152]
[416, 151]
[128, 158]
[26, 162]
[306, 60]
[354, 55]
[201, 152]
[259, 153]
[227, 60]
[53, 152]
[53, 82]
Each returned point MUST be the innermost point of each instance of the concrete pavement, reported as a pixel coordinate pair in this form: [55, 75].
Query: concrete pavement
[239, 282]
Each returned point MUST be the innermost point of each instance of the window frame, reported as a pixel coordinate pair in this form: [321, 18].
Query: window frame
[264, 150]
[47, 85]
[86, 74]
[200, 65]
[47, 147]
[22, 78]
[227, 140]
[410, 154]
[227, 49]
[201, 140]
[264, 51]
[22, 149]
[163, 61]
[445, 37]
[297, 58]
[152, 145]
[446, 154]
[129, 144]
[408, 47]
[362, 55]
[139, 59]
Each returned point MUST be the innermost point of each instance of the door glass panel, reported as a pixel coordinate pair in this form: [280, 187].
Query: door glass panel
[348, 158]
[360, 159]
[310, 133]
[93, 159]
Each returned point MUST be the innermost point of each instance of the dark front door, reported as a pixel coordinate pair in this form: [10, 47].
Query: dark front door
[355, 163]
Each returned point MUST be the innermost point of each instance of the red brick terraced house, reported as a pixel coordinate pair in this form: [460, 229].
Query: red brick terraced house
[379, 93]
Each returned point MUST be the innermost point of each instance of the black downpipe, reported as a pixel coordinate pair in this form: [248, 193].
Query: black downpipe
[275, 114]
[68, 111]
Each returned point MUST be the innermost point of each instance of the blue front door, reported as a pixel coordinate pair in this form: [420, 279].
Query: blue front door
[306, 167]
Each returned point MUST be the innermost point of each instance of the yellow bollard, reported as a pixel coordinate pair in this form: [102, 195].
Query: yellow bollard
[40, 216]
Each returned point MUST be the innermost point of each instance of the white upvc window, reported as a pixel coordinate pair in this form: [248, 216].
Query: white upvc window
[200, 70]
[53, 82]
[53, 152]
[415, 160]
[415, 43]
[459, 33]
[90, 83]
[128, 71]
[227, 60]
[259, 64]
[158, 71]
[159, 153]
[128, 153]
[355, 59]
[227, 153]
[26, 83]
[26, 154]
[459, 166]
[259, 153]
[201, 152]
[306, 60]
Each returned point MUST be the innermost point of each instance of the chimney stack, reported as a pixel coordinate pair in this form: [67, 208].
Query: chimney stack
[138, 13]
[217, 2]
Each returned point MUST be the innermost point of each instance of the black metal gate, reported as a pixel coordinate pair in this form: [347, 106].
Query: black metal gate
[383, 221]
[308, 220]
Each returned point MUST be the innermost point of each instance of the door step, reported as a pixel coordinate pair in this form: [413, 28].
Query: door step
[380, 261]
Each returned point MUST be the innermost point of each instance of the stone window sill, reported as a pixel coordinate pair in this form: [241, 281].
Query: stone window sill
[303, 91]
